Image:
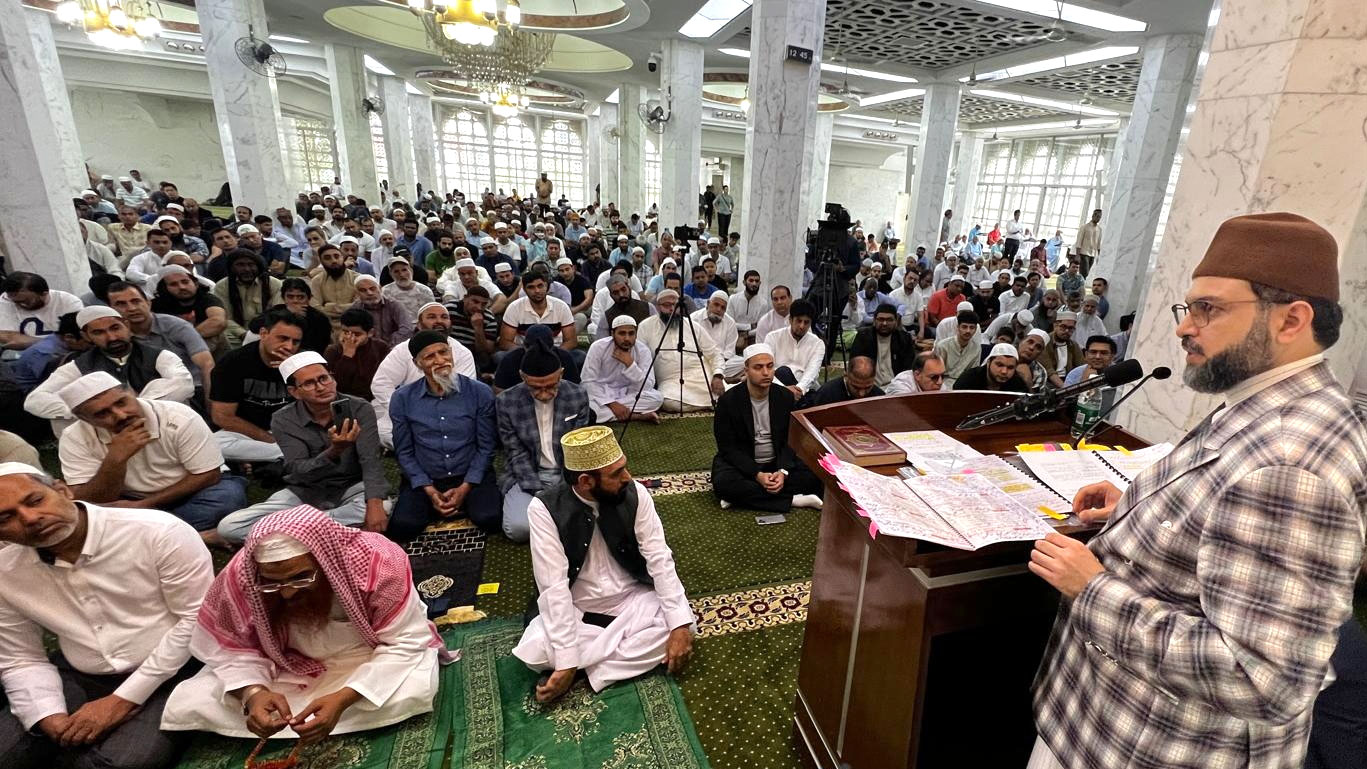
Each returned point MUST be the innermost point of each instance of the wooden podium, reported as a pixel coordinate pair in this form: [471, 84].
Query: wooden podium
[915, 654]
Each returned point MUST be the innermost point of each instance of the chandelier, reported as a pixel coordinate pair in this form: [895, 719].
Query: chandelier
[505, 103]
[499, 72]
[117, 24]
[468, 22]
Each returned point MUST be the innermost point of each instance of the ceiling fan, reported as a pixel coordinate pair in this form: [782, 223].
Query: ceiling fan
[845, 92]
[1055, 34]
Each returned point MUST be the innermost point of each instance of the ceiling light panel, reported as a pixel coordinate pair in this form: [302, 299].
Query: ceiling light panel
[1054, 104]
[1073, 14]
[908, 93]
[839, 69]
[1058, 62]
[710, 18]
[1084, 123]
[289, 39]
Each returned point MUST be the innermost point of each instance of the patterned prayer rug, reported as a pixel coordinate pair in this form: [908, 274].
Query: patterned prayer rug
[497, 723]
[448, 562]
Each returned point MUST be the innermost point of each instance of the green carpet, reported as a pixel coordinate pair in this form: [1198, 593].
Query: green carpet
[640, 723]
[673, 446]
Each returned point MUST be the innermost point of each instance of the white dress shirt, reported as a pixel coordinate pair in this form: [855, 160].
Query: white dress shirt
[769, 323]
[747, 310]
[911, 303]
[802, 356]
[127, 605]
[1014, 229]
[398, 369]
[1009, 303]
[723, 332]
[182, 444]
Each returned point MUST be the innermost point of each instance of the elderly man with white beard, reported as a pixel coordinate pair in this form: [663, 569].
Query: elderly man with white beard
[399, 369]
[713, 320]
[404, 289]
[696, 373]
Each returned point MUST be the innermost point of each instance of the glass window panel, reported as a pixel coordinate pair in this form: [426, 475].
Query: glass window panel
[377, 145]
[651, 177]
[465, 152]
[310, 153]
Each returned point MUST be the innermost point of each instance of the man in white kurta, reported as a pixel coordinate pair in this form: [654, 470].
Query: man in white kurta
[398, 368]
[613, 384]
[798, 350]
[699, 376]
[716, 323]
[595, 616]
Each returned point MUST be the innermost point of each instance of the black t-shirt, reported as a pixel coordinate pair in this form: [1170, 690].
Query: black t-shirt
[579, 286]
[241, 377]
[195, 314]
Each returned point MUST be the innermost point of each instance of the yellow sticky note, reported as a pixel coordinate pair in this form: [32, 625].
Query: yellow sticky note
[488, 588]
[1051, 513]
[1024, 447]
[1122, 450]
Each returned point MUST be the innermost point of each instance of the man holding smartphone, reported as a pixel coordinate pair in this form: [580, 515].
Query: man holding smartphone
[332, 453]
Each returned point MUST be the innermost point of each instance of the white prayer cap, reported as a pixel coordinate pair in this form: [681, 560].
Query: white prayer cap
[621, 237]
[466, 262]
[500, 226]
[964, 307]
[759, 348]
[1039, 332]
[91, 193]
[167, 259]
[171, 269]
[669, 260]
[718, 293]
[623, 320]
[175, 207]
[714, 241]
[1000, 273]
[87, 387]
[431, 219]
[381, 233]
[348, 239]
[953, 278]
[564, 261]
[920, 245]
[503, 267]
[866, 263]
[1025, 316]
[88, 314]
[329, 196]
[299, 360]
[1091, 299]
[106, 178]
[1065, 315]
[668, 293]
[20, 468]
[377, 208]
[361, 278]
[125, 179]
[1003, 349]
[984, 284]
[278, 547]
[423, 308]
[165, 218]
[394, 259]
[318, 207]
[246, 228]
[638, 250]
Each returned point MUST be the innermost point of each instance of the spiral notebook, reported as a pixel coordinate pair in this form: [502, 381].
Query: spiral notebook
[1066, 472]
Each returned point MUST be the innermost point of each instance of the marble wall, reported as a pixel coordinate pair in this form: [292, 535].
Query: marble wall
[424, 140]
[398, 137]
[165, 138]
[608, 166]
[779, 134]
[1144, 152]
[1277, 127]
[869, 194]
[593, 151]
[351, 129]
[38, 230]
[814, 195]
[246, 104]
[939, 118]
[966, 180]
[681, 143]
[630, 149]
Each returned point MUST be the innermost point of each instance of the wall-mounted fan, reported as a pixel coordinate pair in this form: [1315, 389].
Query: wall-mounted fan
[653, 115]
[259, 56]
[611, 133]
[372, 104]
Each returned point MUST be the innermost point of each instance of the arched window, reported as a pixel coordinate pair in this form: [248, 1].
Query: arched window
[651, 178]
[515, 164]
[377, 144]
[465, 152]
[562, 158]
[309, 148]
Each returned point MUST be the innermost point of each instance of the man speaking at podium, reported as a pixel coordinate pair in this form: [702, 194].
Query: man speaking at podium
[1196, 627]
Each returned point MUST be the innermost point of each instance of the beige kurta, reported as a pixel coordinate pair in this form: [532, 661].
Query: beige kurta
[697, 375]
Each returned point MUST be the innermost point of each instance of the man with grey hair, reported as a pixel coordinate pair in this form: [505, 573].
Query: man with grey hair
[120, 588]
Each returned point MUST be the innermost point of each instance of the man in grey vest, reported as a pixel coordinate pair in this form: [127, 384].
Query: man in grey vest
[611, 603]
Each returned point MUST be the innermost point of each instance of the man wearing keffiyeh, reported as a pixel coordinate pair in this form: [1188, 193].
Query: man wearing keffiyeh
[312, 629]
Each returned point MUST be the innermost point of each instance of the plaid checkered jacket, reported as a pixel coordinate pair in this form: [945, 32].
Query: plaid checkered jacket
[1229, 567]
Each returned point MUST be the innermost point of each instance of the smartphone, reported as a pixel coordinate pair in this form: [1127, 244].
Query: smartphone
[766, 520]
[341, 411]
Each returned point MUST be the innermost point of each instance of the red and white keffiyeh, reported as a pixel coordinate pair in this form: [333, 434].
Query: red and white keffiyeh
[368, 573]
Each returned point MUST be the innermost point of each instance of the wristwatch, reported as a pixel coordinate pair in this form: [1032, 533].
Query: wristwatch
[251, 691]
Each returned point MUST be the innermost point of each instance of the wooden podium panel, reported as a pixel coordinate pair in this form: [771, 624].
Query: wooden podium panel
[916, 654]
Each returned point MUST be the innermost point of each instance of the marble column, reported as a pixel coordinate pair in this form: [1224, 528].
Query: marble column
[965, 182]
[779, 130]
[1277, 127]
[37, 224]
[593, 126]
[939, 116]
[424, 141]
[737, 184]
[245, 103]
[631, 150]
[398, 136]
[814, 183]
[351, 129]
[607, 157]
[1144, 162]
[681, 143]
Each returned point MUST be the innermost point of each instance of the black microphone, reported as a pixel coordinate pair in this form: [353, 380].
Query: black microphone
[1032, 405]
[1162, 372]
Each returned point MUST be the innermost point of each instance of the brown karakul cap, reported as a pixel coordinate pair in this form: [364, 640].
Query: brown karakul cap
[1280, 250]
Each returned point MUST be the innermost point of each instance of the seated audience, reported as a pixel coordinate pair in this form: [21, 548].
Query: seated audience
[746, 307]
[612, 607]
[1061, 354]
[617, 299]
[98, 702]
[125, 451]
[926, 375]
[298, 299]
[532, 417]
[797, 352]
[696, 373]
[1089, 322]
[151, 372]
[1028, 366]
[246, 390]
[179, 295]
[885, 343]
[391, 322]
[619, 377]
[780, 299]
[334, 288]
[535, 308]
[331, 465]
[164, 331]
[581, 292]
[712, 320]
[858, 382]
[398, 367]
[29, 310]
[355, 357]
[444, 437]
[961, 351]
[998, 372]
[246, 292]
[404, 289]
[755, 468]
[312, 629]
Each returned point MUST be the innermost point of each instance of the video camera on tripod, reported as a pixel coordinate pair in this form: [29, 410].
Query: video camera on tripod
[828, 252]
[831, 237]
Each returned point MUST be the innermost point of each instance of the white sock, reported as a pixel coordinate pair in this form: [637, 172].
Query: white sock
[807, 500]
[725, 505]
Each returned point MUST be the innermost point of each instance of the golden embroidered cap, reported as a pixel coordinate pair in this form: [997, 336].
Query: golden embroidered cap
[590, 448]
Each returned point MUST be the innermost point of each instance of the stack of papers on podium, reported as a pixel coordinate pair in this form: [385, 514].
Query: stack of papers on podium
[962, 511]
[1066, 472]
[932, 452]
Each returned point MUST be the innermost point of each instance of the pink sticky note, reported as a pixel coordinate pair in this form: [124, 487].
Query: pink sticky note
[873, 529]
[862, 512]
